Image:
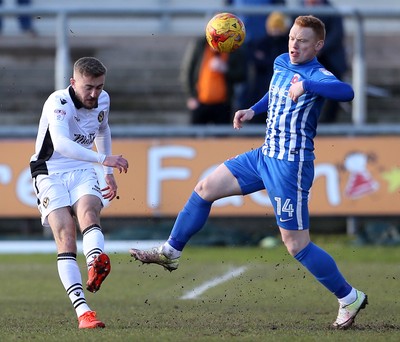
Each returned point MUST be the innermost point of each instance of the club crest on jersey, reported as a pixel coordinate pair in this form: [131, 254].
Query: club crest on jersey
[325, 72]
[60, 114]
[100, 117]
[295, 79]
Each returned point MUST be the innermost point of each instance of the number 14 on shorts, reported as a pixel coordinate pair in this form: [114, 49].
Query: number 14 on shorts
[284, 207]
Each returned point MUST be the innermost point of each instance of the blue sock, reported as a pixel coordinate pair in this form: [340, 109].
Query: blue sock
[189, 221]
[324, 269]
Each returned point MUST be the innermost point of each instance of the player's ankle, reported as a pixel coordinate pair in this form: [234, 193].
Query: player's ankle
[170, 252]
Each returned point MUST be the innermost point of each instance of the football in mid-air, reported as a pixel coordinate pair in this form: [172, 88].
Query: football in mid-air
[225, 32]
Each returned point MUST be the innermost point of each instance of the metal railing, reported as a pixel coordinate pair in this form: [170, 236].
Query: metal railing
[167, 14]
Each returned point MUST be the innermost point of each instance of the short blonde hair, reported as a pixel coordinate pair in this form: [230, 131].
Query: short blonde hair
[90, 66]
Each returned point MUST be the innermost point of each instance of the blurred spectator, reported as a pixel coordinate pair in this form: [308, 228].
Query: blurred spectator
[208, 77]
[273, 44]
[25, 21]
[254, 23]
[255, 30]
[333, 54]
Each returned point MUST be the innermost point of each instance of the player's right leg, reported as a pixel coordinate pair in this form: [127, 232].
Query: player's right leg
[87, 206]
[55, 207]
[156, 255]
[235, 177]
[189, 221]
[220, 183]
[98, 271]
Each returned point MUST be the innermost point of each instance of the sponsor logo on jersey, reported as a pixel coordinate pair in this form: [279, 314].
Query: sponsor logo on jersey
[84, 139]
[60, 114]
[63, 101]
[277, 91]
[76, 118]
[100, 117]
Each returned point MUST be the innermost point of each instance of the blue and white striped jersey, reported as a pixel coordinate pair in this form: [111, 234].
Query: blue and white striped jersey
[291, 126]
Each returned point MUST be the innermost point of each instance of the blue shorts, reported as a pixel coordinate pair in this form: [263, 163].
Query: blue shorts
[288, 184]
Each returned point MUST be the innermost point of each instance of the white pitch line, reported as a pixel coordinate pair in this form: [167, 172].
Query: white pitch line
[197, 291]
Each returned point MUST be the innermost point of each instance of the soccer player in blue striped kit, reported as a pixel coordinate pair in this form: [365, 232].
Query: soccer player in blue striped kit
[283, 165]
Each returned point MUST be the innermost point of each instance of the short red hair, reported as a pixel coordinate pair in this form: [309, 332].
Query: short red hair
[314, 23]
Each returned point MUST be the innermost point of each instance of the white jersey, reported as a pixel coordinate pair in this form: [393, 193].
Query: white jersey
[67, 133]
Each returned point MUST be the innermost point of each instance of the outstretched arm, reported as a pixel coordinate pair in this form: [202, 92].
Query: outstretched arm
[241, 116]
[247, 114]
[65, 146]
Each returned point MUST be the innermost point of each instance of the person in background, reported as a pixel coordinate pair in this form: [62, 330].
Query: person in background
[283, 165]
[25, 21]
[208, 77]
[273, 44]
[255, 30]
[66, 184]
[333, 55]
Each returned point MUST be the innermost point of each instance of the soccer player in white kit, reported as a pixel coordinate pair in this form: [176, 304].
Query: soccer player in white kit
[66, 183]
[283, 165]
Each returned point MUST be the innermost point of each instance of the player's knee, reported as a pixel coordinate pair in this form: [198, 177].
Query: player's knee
[292, 250]
[294, 246]
[202, 188]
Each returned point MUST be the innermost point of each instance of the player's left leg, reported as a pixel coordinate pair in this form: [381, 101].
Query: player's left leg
[316, 260]
[324, 268]
[64, 231]
[290, 200]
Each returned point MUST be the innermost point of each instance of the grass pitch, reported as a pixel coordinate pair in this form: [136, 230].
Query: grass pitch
[274, 299]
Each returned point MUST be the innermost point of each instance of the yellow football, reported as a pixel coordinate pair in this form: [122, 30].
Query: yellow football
[225, 32]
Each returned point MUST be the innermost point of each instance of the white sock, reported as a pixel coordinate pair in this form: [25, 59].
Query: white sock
[170, 252]
[70, 275]
[350, 298]
[92, 243]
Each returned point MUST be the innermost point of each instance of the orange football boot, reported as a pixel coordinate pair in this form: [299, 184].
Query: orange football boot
[99, 270]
